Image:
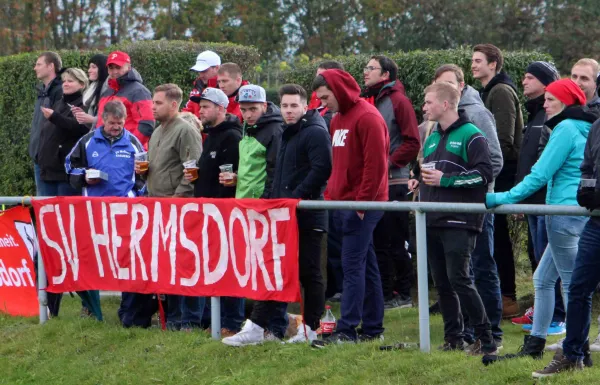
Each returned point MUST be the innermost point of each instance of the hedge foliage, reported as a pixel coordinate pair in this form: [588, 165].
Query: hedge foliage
[157, 61]
[416, 68]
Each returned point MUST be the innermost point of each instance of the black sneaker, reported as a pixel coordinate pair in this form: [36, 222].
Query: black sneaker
[559, 363]
[498, 342]
[390, 304]
[365, 337]
[334, 339]
[404, 301]
[337, 297]
[479, 349]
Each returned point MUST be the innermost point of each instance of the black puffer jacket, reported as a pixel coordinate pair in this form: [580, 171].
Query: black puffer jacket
[221, 146]
[303, 166]
[535, 138]
[58, 136]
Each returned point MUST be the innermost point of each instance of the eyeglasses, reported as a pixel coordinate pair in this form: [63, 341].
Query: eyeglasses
[370, 68]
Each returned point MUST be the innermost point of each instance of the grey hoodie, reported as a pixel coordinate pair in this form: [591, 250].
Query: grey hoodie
[474, 109]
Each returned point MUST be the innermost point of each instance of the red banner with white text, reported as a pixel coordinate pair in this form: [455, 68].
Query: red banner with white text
[18, 295]
[195, 247]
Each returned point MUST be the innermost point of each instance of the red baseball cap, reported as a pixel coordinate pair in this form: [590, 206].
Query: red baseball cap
[119, 58]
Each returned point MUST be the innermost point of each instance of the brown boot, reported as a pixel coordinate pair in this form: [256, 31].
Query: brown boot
[510, 307]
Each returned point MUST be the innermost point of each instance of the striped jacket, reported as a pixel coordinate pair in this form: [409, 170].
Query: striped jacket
[461, 152]
[116, 158]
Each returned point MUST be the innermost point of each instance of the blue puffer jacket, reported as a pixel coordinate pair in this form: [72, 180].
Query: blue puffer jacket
[116, 158]
[558, 166]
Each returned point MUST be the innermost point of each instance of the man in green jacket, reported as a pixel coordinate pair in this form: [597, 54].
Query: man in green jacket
[456, 169]
[173, 142]
[499, 95]
[263, 126]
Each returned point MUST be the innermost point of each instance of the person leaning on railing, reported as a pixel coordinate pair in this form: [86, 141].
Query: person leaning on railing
[558, 167]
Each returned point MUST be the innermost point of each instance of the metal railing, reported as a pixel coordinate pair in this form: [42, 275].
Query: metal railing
[419, 208]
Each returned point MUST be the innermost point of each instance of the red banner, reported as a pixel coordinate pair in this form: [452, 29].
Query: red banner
[18, 295]
[195, 247]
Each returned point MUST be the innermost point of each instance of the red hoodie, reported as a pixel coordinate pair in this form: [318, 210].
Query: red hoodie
[360, 142]
[193, 105]
[234, 107]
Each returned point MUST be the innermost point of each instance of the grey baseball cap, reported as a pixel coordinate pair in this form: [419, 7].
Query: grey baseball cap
[252, 94]
[216, 96]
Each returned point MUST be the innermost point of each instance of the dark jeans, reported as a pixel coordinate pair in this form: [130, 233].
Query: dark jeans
[539, 238]
[449, 253]
[137, 309]
[192, 310]
[335, 275]
[503, 250]
[485, 276]
[585, 278]
[362, 297]
[311, 279]
[173, 311]
[389, 238]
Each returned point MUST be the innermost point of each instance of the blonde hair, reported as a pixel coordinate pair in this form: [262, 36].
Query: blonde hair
[445, 92]
[77, 75]
[589, 62]
[192, 120]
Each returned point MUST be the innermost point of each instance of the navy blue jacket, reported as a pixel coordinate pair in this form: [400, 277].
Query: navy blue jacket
[117, 159]
[303, 167]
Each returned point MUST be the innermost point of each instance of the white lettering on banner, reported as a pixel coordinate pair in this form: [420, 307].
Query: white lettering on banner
[15, 277]
[210, 210]
[117, 209]
[159, 231]
[278, 215]
[236, 214]
[188, 244]
[8, 241]
[166, 234]
[136, 237]
[256, 247]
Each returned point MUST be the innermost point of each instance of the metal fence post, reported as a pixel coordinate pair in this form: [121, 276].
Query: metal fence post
[421, 228]
[42, 284]
[215, 317]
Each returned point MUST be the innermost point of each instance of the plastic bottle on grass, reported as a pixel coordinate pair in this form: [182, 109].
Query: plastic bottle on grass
[327, 323]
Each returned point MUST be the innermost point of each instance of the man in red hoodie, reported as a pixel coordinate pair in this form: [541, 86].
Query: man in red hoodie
[229, 79]
[207, 65]
[315, 102]
[387, 93]
[360, 142]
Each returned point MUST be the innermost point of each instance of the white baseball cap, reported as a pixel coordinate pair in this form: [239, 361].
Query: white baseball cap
[206, 60]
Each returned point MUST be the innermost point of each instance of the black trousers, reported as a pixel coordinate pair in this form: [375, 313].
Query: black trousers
[311, 280]
[503, 247]
[389, 237]
[449, 253]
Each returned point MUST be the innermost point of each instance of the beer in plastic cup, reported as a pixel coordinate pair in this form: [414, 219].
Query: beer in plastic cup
[227, 169]
[587, 183]
[192, 168]
[141, 159]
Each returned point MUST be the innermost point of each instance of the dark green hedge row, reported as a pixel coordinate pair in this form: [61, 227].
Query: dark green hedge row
[416, 68]
[157, 61]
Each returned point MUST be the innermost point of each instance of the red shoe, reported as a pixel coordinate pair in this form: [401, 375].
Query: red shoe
[526, 319]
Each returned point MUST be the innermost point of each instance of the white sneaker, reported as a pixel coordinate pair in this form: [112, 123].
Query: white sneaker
[251, 334]
[595, 347]
[556, 346]
[302, 336]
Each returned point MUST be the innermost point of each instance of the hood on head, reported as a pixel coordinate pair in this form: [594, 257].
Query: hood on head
[345, 89]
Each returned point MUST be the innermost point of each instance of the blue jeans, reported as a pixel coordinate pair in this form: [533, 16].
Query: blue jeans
[539, 238]
[51, 189]
[558, 261]
[173, 311]
[585, 278]
[485, 276]
[192, 309]
[362, 295]
[232, 313]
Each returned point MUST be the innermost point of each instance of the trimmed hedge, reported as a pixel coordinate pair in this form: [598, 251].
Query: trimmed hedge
[416, 69]
[157, 61]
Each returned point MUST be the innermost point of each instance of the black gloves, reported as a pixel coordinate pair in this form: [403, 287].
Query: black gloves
[588, 197]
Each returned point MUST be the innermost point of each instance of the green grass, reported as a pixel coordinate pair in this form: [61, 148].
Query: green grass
[70, 350]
